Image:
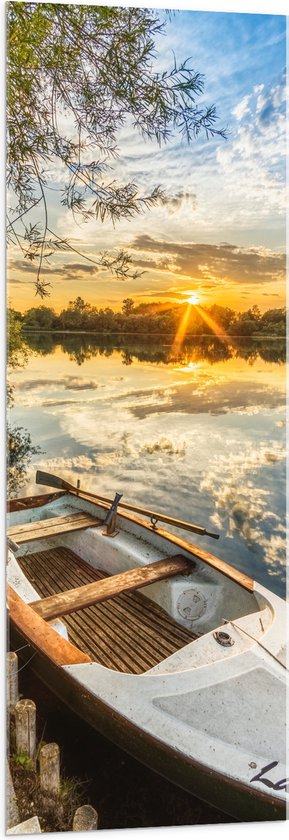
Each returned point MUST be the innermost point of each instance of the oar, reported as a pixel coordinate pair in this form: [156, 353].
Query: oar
[49, 480]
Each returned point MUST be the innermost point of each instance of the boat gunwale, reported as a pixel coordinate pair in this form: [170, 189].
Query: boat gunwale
[42, 635]
[211, 560]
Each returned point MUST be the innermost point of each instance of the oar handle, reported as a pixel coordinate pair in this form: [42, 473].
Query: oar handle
[214, 536]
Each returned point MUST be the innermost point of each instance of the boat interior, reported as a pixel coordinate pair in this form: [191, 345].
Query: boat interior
[71, 570]
[126, 633]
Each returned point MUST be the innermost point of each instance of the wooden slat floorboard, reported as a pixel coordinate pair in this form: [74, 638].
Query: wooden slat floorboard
[135, 613]
[128, 633]
[114, 614]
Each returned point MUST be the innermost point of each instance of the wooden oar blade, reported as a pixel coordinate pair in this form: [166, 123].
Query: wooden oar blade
[49, 480]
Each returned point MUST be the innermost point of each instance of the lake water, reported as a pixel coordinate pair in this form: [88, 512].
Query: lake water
[198, 434]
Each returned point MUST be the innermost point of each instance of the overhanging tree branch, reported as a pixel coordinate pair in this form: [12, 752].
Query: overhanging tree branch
[75, 74]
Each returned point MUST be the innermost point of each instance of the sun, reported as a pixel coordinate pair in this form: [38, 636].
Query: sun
[193, 299]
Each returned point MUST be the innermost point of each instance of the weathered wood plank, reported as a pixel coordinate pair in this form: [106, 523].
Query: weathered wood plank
[92, 593]
[43, 523]
[32, 501]
[42, 637]
[45, 528]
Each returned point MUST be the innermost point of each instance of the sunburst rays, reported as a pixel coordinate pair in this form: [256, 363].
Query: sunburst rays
[217, 329]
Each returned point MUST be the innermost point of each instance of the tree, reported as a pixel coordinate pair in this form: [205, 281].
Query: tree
[39, 317]
[17, 349]
[127, 306]
[274, 322]
[20, 452]
[75, 75]
[19, 446]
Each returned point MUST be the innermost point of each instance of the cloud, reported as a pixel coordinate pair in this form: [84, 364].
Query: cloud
[29, 268]
[74, 383]
[242, 108]
[222, 263]
[70, 383]
[13, 281]
[166, 445]
[202, 397]
[158, 293]
[71, 271]
[253, 163]
[173, 203]
[242, 505]
[56, 403]
[67, 271]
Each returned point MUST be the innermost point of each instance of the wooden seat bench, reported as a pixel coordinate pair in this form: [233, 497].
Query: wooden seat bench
[72, 600]
[45, 528]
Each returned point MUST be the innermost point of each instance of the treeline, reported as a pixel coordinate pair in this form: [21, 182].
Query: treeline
[155, 319]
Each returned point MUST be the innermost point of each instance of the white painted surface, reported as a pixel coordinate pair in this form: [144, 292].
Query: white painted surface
[224, 707]
[227, 714]
[198, 601]
[31, 826]
[26, 591]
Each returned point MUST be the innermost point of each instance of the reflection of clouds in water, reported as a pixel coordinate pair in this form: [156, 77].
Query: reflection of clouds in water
[205, 397]
[165, 472]
[243, 506]
[201, 395]
[167, 439]
[69, 383]
[164, 445]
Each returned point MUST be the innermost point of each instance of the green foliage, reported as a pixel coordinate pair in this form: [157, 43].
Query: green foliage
[150, 319]
[67, 788]
[127, 306]
[39, 317]
[76, 74]
[19, 445]
[20, 452]
[17, 350]
[23, 760]
[273, 322]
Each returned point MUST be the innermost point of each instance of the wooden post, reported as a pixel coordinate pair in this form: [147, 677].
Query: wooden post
[25, 725]
[85, 819]
[49, 764]
[12, 680]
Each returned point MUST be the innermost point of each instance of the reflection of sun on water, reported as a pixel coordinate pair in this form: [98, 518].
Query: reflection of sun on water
[191, 367]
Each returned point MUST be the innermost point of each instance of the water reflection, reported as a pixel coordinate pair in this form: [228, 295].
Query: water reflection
[81, 348]
[198, 434]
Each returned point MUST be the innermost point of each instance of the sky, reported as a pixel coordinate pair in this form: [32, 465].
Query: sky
[219, 235]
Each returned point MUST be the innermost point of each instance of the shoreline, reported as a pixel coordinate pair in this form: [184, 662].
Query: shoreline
[190, 336]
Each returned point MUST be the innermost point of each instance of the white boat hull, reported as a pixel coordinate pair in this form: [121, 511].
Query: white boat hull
[210, 717]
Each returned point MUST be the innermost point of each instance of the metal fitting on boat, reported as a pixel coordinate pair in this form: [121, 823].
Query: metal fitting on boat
[223, 638]
[110, 519]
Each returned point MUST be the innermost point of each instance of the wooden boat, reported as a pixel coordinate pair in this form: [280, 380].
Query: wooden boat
[170, 652]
